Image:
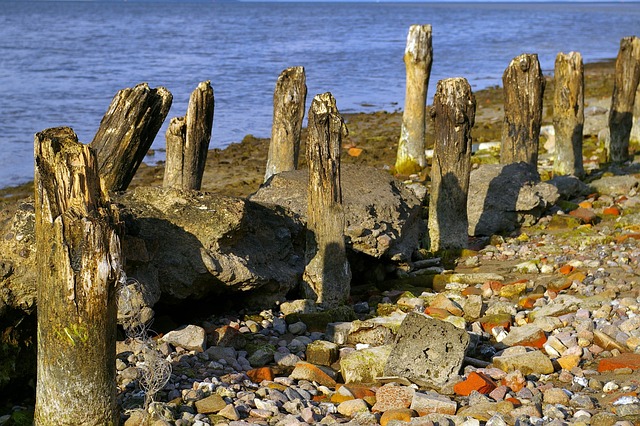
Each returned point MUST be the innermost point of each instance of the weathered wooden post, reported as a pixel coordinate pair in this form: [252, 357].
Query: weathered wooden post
[187, 141]
[78, 267]
[568, 114]
[523, 90]
[327, 275]
[289, 100]
[418, 56]
[454, 109]
[624, 93]
[635, 128]
[127, 131]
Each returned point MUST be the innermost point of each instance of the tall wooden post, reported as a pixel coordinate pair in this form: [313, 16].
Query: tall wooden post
[624, 94]
[523, 91]
[418, 55]
[568, 114]
[454, 107]
[127, 131]
[289, 100]
[327, 275]
[187, 141]
[78, 267]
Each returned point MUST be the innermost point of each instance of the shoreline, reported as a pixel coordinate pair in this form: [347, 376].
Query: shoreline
[238, 169]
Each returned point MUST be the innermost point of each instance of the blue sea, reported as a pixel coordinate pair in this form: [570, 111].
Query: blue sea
[61, 63]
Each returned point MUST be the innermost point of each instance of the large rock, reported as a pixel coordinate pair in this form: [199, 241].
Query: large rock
[615, 185]
[504, 197]
[427, 351]
[179, 245]
[191, 244]
[383, 217]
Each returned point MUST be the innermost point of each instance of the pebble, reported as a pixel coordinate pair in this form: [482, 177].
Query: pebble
[574, 326]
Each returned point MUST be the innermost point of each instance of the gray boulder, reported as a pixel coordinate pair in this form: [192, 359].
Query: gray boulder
[615, 185]
[186, 244]
[383, 217]
[178, 245]
[427, 351]
[504, 197]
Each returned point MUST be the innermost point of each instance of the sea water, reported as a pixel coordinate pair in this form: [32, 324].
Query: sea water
[61, 63]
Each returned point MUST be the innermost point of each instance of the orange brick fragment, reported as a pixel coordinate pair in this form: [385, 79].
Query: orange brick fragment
[438, 313]
[475, 382]
[625, 237]
[631, 361]
[472, 291]
[584, 215]
[516, 402]
[401, 414]
[257, 375]
[612, 211]
[527, 302]
[489, 322]
[566, 269]
[354, 152]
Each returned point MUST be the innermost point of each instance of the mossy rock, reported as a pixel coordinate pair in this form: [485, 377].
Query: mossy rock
[567, 206]
[20, 418]
[317, 321]
[384, 309]
[559, 221]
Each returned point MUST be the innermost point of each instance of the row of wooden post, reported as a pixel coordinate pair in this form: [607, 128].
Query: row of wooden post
[523, 85]
[78, 233]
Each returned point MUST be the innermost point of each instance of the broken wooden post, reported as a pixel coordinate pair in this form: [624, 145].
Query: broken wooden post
[523, 90]
[187, 141]
[78, 267]
[327, 275]
[454, 109]
[624, 93]
[418, 55]
[568, 114]
[127, 131]
[289, 100]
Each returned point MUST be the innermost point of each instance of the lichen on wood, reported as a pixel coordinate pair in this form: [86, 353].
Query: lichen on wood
[78, 266]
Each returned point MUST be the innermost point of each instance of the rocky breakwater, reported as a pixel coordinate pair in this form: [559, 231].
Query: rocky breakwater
[539, 328]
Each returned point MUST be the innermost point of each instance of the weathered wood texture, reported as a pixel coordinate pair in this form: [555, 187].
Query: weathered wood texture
[624, 93]
[127, 131]
[523, 85]
[454, 109]
[327, 275]
[635, 129]
[418, 56]
[187, 141]
[78, 266]
[568, 114]
[289, 100]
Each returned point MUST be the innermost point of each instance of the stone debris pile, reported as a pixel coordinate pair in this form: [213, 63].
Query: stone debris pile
[541, 328]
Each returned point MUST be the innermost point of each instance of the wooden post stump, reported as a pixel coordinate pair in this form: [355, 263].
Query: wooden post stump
[523, 90]
[624, 92]
[289, 100]
[454, 108]
[418, 56]
[327, 275]
[127, 131]
[187, 141]
[78, 267]
[568, 114]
